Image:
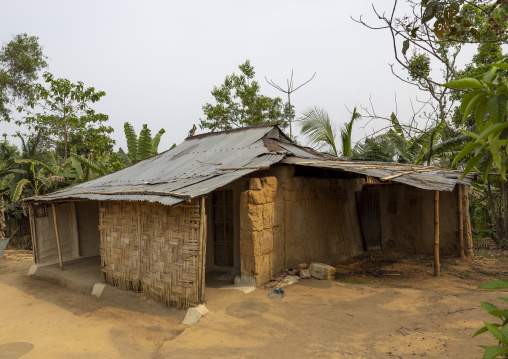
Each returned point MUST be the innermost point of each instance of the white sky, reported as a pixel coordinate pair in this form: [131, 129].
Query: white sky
[159, 60]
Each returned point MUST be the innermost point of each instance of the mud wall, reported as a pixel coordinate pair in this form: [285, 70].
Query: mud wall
[152, 248]
[87, 216]
[46, 244]
[407, 219]
[321, 220]
[287, 220]
[260, 253]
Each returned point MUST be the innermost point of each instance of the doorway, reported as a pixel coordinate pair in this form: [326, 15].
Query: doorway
[370, 218]
[223, 229]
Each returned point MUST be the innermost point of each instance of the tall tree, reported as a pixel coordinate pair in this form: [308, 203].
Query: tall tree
[239, 103]
[427, 41]
[21, 59]
[62, 109]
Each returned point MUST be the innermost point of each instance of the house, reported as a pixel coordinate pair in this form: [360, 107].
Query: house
[250, 202]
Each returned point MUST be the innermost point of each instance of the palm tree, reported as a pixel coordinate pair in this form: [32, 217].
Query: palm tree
[346, 133]
[316, 125]
[318, 128]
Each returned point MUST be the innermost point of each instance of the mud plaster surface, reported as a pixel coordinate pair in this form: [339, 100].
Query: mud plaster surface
[403, 316]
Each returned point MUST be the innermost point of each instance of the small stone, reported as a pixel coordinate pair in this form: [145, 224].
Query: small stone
[194, 315]
[304, 273]
[322, 271]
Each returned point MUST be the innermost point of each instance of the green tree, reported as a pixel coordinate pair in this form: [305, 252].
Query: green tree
[7, 150]
[488, 103]
[239, 103]
[65, 114]
[427, 42]
[21, 59]
[398, 144]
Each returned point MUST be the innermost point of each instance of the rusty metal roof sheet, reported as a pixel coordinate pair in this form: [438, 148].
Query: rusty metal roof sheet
[195, 167]
[205, 162]
[425, 177]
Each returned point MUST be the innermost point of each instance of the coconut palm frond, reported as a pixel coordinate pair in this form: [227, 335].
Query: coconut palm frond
[316, 125]
[346, 133]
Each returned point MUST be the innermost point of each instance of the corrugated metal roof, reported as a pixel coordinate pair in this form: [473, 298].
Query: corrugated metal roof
[425, 177]
[195, 167]
[205, 162]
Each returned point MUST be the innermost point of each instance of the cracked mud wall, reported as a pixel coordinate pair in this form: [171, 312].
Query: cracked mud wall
[287, 220]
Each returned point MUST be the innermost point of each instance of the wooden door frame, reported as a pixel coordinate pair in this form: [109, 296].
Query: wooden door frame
[225, 244]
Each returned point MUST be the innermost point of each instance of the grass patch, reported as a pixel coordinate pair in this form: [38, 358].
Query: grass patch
[353, 281]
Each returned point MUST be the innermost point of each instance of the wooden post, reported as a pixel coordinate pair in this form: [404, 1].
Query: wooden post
[437, 270]
[57, 236]
[202, 240]
[32, 230]
[461, 222]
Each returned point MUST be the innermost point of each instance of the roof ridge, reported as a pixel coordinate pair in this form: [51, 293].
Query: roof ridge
[239, 129]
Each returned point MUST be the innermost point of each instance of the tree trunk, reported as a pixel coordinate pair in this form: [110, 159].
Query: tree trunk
[504, 219]
[65, 141]
[495, 221]
[65, 131]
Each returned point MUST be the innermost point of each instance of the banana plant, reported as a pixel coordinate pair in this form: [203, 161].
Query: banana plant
[63, 173]
[39, 174]
[100, 166]
[139, 148]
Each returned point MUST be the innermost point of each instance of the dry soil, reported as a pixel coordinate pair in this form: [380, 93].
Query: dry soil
[380, 306]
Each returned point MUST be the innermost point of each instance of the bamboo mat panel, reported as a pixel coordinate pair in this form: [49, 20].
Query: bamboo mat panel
[153, 249]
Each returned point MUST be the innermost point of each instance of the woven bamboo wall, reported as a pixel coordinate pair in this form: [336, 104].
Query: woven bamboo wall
[152, 248]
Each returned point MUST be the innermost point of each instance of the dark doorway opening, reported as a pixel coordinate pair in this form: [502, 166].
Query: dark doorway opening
[370, 218]
[223, 235]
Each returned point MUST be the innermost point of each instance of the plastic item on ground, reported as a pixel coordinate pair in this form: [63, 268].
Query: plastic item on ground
[3, 244]
[276, 294]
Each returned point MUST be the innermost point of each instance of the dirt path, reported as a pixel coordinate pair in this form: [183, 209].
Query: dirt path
[408, 315]
[47, 321]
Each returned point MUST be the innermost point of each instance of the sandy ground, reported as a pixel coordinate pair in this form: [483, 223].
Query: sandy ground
[398, 311]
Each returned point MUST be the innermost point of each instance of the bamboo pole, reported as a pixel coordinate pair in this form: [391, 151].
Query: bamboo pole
[57, 236]
[32, 231]
[461, 222]
[202, 252]
[437, 270]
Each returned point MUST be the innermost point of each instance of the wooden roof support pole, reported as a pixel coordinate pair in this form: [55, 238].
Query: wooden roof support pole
[32, 230]
[202, 240]
[437, 269]
[461, 221]
[57, 236]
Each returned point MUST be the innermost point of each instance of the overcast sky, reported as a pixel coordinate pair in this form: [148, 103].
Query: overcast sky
[157, 61]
